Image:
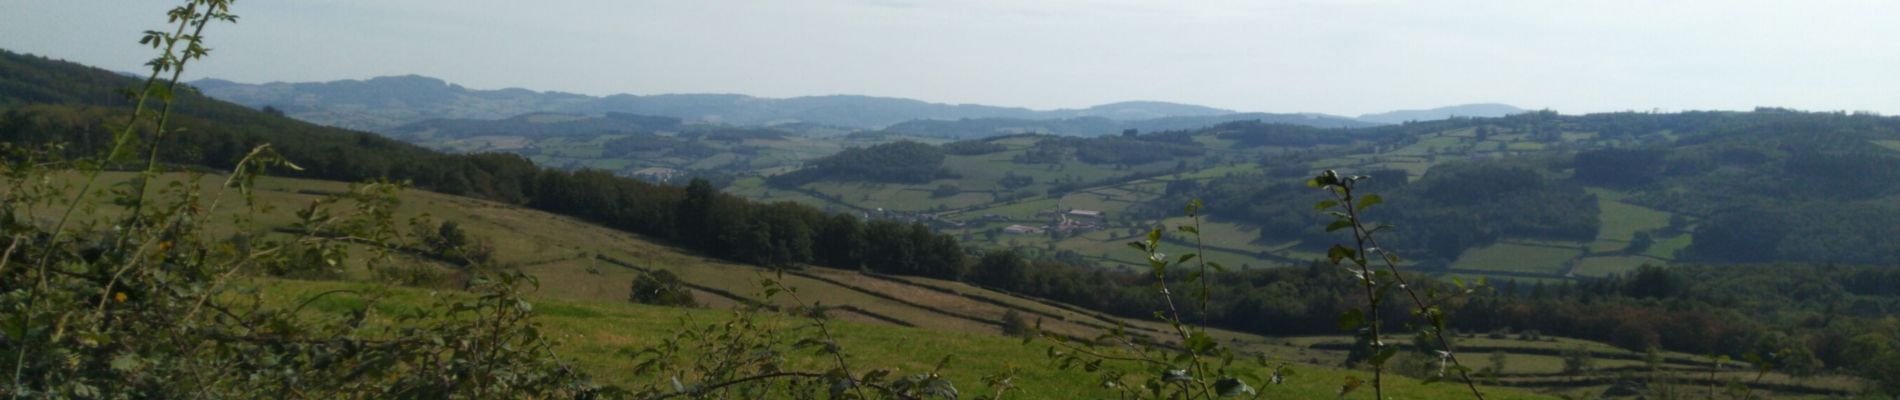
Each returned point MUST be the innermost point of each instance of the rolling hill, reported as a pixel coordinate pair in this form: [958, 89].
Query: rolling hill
[1571, 196]
[384, 103]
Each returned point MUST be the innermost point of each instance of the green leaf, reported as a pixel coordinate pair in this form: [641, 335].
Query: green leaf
[1199, 342]
[1186, 257]
[1325, 204]
[125, 363]
[14, 327]
[1337, 253]
[875, 375]
[1351, 319]
[1339, 224]
[1188, 229]
[1384, 354]
[1369, 201]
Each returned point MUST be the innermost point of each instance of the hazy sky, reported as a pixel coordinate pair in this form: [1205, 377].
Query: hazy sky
[1332, 56]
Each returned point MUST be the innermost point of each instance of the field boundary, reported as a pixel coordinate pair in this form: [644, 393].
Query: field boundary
[750, 301]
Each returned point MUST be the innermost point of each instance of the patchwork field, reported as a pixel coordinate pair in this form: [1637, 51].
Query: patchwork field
[1517, 258]
[975, 205]
[596, 335]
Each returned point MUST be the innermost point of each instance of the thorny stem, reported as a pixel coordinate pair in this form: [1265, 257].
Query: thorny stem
[831, 344]
[1175, 321]
[1201, 251]
[1363, 237]
[8, 256]
[165, 111]
[1372, 298]
[92, 175]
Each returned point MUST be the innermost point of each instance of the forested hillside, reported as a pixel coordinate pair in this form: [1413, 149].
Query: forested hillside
[1530, 195]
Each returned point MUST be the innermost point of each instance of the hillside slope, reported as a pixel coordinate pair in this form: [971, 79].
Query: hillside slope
[584, 270]
[1536, 197]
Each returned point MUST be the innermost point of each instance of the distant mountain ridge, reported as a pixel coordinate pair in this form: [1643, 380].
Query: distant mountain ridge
[388, 104]
[1099, 126]
[385, 103]
[1477, 110]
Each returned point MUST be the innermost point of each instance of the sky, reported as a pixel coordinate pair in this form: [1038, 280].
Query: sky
[1343, 57]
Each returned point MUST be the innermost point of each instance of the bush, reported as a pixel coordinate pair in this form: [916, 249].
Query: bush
[1014, 325]
[661, 288]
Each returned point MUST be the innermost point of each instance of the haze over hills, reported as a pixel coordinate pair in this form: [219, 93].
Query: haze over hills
[1098, 126]
[1479, 110]
[385, 104]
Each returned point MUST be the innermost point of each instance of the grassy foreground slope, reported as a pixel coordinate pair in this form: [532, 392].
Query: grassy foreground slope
[906, 322]
[594, 334]
[584, 275]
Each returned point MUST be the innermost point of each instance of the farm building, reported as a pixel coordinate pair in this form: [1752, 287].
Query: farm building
[1021, 230]
[659, 174]
[1086, 213]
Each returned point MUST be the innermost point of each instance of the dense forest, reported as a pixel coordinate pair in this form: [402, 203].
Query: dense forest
[901, 162]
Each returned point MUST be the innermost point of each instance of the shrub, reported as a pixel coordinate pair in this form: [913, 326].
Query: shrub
[661, 288]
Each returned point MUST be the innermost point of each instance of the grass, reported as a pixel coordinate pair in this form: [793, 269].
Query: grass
[1889, 144]
[1534, 357]
[594, 335]
[1223, 234]
[560, 252]
[1096, 201]
[1619, 221]
[1666, 247]
[1025, 210]
[755, 187]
